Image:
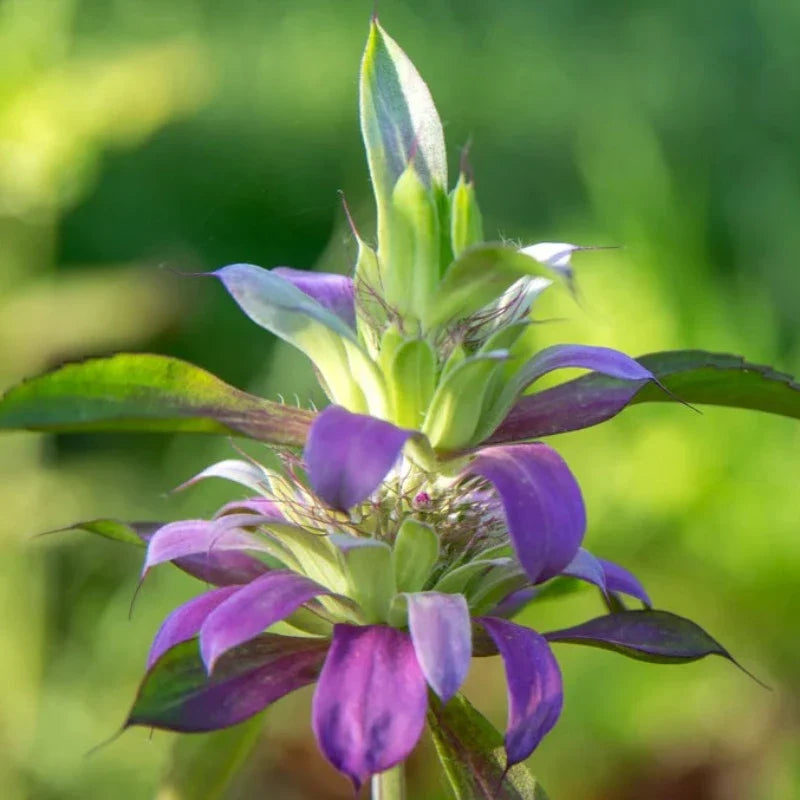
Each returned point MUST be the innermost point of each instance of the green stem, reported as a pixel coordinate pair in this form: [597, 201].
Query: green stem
[390, 785]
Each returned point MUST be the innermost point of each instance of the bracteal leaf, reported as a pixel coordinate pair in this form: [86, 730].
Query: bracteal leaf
[147, 393]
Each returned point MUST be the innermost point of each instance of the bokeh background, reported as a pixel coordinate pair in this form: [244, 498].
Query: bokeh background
[138, 139]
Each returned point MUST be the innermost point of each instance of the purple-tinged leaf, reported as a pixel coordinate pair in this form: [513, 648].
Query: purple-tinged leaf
[542, 504]
[348, 455]
[645, 635]
[369, 706]
[145, 392]
[618, 579]
[334, 292]
[186, 620]
[441, 633]
[199, 537]
[535, 693]
[178, 695]
[259, 506]
[253, 608]
[694, 376]
[245, 473]
[473, 757]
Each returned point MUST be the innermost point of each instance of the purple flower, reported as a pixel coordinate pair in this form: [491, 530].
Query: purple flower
[322, 590]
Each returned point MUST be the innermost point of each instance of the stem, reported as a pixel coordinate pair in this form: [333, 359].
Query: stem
[389, 785]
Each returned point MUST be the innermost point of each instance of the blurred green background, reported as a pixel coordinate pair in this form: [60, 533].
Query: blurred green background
[142, 138]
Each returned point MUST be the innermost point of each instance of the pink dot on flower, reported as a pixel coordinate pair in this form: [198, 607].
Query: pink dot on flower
[422, 499]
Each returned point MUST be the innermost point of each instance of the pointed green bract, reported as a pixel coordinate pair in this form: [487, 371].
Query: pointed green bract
[147, 393]
[472, 754]
[372, 586]
[125, 532]
[415, 552]
[466, 223]
[412, 382]
[476, 278]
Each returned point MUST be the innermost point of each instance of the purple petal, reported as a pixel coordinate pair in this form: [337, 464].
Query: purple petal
[335, 292]
[574, 405]
[178, 695]
[535, 694]
[601, 359]
[185, 621]
[618, 579]
[369, 706]
[261, 603]
[348, 455]
[513, 603]
[542, 504]
[255, 505]
[441, 632]
[199, 537]
[587, 568]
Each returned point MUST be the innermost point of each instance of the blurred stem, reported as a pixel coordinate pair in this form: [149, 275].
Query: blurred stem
[390, 785]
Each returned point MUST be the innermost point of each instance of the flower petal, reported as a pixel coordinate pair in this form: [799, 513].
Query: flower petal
[348, 455]
[334, 292]
[178, 695]
[441, 632]
[185, 621]
[555, 255]
[245, 614]
[618, 579]
[235, 470]
[535, 693]
[369, 706]
[203, 538]
[542, 504]
[587, 568]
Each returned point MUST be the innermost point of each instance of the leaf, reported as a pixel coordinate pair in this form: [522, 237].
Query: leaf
[473, 756]
[657, 636]
[693, 376]
[147, 393]
[135, 533]
[398, 119]
[177, 694]
[203, 765]
[476, 278]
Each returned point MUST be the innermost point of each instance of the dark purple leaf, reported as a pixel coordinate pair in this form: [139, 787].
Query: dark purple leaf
[348, 455]
[185, 621]
[542, 504]
[535, 693]
[178, 695]
[441, 632]
[370, 702]
[253, 608]
[334, 292]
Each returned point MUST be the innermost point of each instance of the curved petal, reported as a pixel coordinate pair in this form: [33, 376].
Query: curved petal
[348, 455]
[587, 568]
[535, 693]
[185, 621]
[542, 504]
[369, 707]
[441, 633]
[334, 292]
[246, 613]
[618, 579]
[236, 470]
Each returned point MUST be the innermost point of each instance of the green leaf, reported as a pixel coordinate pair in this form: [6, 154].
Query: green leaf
[202, 766]
[135, 533]
[472, 754]
[476, 278]
[719, 379]
[416, 550]
[412, 382]
[147, 393]
[398, 119]
[466, 223]
[372, 584]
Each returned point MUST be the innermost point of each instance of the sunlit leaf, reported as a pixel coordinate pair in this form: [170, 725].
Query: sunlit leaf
[145, 392]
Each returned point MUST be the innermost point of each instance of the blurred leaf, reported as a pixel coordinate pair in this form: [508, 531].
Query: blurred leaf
[146, 392]
[203, 765]
[696, 376]
[178, 695]
[473, 756]
[135, 533]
